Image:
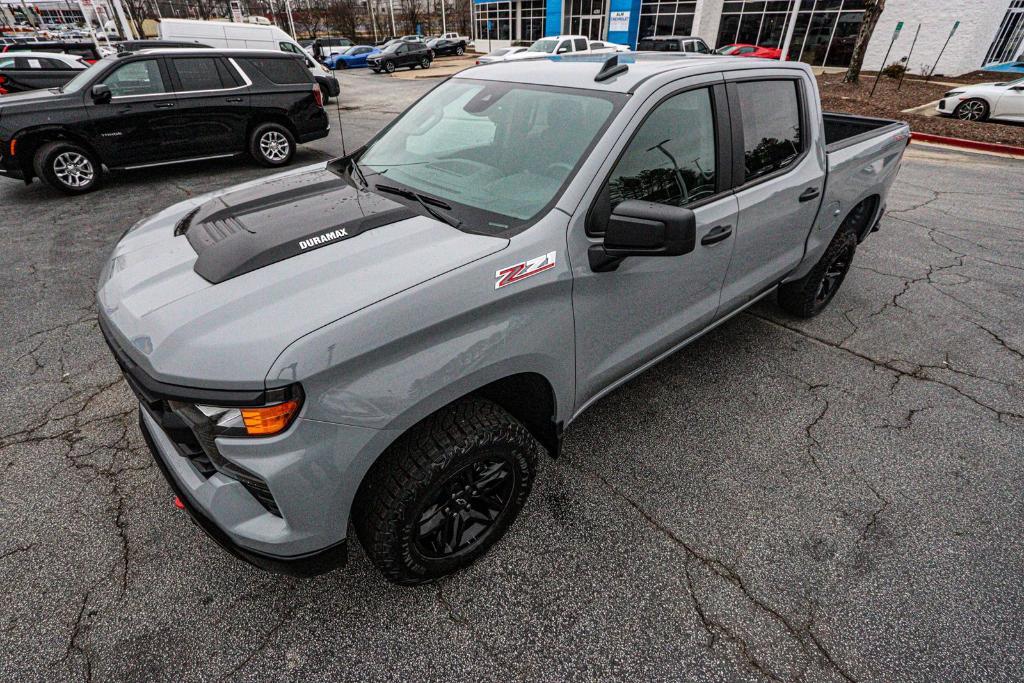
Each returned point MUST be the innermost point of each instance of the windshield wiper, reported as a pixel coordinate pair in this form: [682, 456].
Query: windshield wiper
[424, 200]
[359, 171]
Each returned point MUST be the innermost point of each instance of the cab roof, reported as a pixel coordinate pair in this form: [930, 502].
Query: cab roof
[578, 71]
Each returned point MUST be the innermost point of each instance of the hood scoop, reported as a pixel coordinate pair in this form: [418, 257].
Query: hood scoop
[253, 227]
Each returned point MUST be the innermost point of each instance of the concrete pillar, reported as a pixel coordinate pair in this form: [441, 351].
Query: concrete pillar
[706, 20]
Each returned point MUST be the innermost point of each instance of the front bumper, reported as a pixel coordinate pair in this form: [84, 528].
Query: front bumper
[947, 105]
[282, 502]
[311, 564]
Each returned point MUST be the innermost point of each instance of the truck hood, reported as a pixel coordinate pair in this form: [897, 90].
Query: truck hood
[209, 292]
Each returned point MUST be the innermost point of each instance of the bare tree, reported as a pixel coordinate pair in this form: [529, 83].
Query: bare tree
[872, 11]
[412, 14]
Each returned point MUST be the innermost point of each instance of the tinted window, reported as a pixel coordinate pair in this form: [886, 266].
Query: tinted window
[701, 47]
[281, 71]
[136, 78]
[771, 125]
[581, 44]
[197, 73]
[671, 159]
[288, 47]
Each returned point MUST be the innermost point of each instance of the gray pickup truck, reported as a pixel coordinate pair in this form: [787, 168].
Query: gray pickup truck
[393, 337]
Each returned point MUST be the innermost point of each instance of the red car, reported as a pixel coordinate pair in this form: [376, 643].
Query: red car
[745, 50]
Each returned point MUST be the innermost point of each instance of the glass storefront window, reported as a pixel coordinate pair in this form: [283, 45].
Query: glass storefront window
[824, 33]
[666, 18]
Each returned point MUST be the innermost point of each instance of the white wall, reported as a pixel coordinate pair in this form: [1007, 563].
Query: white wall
[979, 21]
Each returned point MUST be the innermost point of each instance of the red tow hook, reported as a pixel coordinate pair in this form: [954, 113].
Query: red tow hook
[178, 504]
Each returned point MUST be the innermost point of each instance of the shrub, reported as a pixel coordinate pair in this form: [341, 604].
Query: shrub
[894, 70]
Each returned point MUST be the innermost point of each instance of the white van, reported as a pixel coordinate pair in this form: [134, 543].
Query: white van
[226, 34]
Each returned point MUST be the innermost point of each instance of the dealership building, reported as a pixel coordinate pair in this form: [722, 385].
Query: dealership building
[988, 31]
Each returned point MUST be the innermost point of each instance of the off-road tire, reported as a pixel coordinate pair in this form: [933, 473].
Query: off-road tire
[421, 467]
[805, 297]
[54, 161]
[973, 109]
[261, 136]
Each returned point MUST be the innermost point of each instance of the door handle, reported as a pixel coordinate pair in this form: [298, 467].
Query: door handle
[163, 105]
[233, 99]
[716, 234]
[809, 194]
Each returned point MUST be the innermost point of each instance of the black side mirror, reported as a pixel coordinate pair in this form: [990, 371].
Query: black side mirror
[101, 94]
[639, 228]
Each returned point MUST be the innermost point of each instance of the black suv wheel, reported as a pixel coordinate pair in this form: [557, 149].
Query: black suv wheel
[389, 66]
[445, 492]
[425, 63]
[68, 167]
[459, 51]
[271, 144]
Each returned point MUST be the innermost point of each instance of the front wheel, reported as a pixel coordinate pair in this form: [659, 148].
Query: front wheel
[445, 492]
[389, 67]
[68, 167]
[808, 296]
[271, 144]
[971, 110]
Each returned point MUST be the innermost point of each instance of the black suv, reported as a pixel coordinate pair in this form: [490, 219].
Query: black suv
[402, 53]
[161, 107]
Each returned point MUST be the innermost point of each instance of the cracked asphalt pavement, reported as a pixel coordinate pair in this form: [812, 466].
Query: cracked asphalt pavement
[833, 499]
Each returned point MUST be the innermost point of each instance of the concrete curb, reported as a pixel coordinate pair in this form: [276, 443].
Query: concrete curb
[968, 144]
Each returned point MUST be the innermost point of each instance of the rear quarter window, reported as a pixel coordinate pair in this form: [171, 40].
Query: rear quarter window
[278, 70]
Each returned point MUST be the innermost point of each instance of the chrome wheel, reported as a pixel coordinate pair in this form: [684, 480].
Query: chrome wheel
[73, 169]
[971, 110]
[274, 146]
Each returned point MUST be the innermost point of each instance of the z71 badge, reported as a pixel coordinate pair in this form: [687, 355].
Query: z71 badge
[521, 271]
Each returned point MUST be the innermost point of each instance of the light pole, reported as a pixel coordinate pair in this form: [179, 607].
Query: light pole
[288, 11]
[444, 24]
[394, 31]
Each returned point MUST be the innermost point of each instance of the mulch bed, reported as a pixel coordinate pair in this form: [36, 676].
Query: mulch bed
[889, 104]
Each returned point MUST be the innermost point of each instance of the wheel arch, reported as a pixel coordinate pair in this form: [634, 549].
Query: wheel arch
[29, 142]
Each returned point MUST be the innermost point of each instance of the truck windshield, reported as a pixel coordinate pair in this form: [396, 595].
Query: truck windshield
[496, 153]
[544, 46]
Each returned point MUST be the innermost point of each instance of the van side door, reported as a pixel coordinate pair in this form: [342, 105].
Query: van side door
[779, 177]
[675, 152]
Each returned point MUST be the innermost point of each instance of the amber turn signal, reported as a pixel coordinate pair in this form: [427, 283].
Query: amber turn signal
[268, 420]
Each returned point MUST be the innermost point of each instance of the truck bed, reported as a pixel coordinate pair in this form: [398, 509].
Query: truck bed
[842, 130]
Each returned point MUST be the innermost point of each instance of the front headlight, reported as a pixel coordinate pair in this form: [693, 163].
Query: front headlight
[243, 421]
[954, 93]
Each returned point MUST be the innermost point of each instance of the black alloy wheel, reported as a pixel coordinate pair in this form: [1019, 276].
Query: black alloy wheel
[464, 508]
[833, 277]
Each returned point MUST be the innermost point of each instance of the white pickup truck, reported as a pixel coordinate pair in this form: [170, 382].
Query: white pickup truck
[561, 45]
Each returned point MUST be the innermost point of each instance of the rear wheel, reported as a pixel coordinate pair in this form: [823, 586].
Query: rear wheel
[68, 167]
[808, 296]
[424, 63]
[271, 144]
[445, 492]
[972, 110]
[459, 51]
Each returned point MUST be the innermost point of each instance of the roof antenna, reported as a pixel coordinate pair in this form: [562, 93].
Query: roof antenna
[610, 68]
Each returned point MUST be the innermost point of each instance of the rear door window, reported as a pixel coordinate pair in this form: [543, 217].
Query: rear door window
[580, 44]
[772, 130]
[136, 78]
[279, 70]
[197, 73]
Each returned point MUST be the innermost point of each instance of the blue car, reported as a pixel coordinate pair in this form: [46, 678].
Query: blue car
[351, 58]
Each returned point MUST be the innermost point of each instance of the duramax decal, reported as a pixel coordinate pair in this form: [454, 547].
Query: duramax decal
[521, 271]
[323, 239]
